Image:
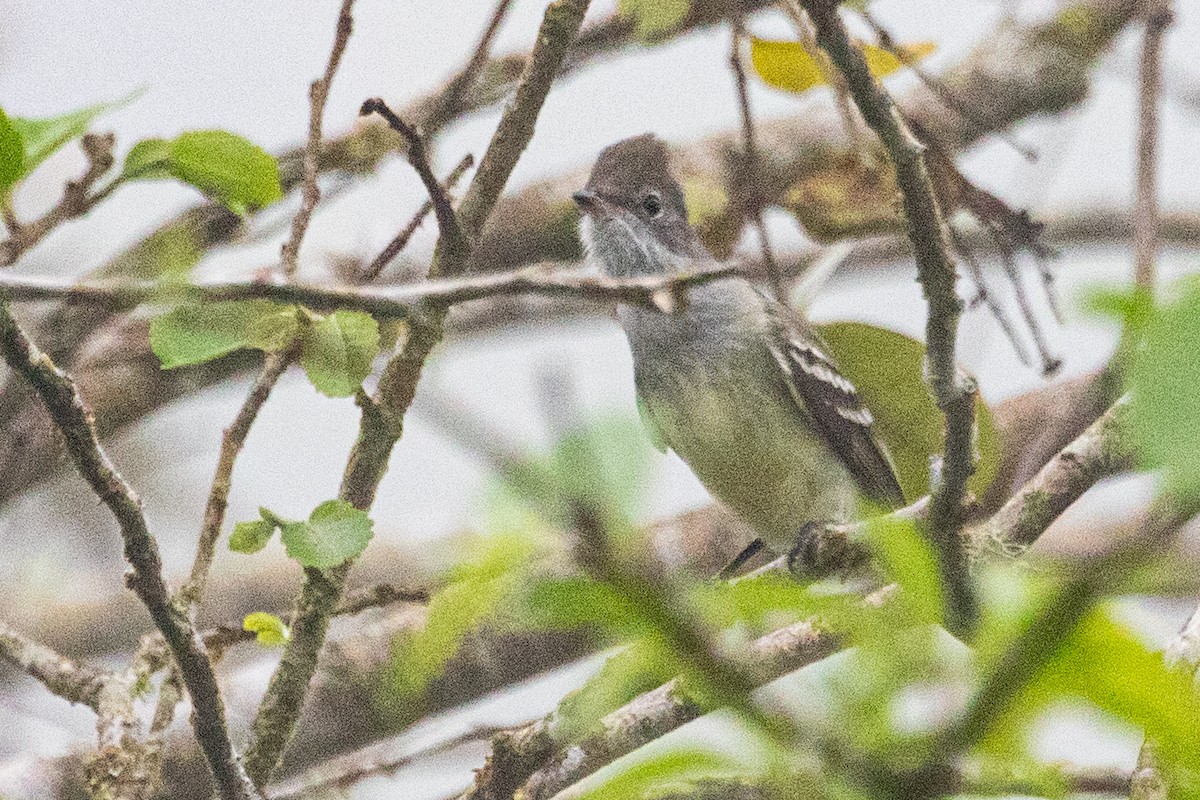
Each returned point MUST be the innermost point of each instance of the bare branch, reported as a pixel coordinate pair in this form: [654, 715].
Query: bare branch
[937, 273]
[1104, 449]
[318, 95]
[77, 683]
[274, 365]
[1145, 212]
[397, 302]
[418, 156]
[74, 420]
[748, 181]
[395, 246]
[77, 200]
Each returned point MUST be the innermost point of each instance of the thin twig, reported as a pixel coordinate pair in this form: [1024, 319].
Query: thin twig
[394, 302]
[418, 156]
[451, 98]
[1145, 211]
[749, 173]
[383, 415]
[74, 420]
[274, 365]
[395, 246]
[77, 200]
[936, 271]
[318, 94]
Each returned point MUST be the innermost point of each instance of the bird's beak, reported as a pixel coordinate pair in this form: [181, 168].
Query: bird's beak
[586, 199]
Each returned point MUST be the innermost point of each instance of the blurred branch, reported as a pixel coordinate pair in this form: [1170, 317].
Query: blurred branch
[383, 415]
[530, 757]
[396, 245]
[74, 421]
[77, 200]
[318, 94]
[1145, 212]
[397, 302]
[936, 271]
[65, 678]
[748, 183]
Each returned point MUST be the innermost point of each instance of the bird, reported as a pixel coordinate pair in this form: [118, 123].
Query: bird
[740, 386]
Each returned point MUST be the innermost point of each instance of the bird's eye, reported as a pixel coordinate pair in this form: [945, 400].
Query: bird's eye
[653, 204]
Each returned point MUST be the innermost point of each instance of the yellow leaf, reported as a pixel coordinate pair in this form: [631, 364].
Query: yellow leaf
[883, 62]
[789, 65]
[269, 629]
[785, 65]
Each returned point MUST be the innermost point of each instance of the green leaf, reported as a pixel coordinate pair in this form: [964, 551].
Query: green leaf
[195, 334]
[1165, 412]
[908, 560]
[886, 368]
[789, 66]
[12, 153]
[1106, 664]
[637, 668]
[675, 770]
[478, 589]
[150, 159]
[339, 350]
[250, 537]
[43, 137]
[1133, 306]
[654, 19]
[269, 629]
[226, 167]
[334, 532]
[274, 330]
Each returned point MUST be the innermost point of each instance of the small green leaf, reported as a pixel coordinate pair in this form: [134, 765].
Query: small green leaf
[269, 629]
[149, 159]
[43, 137]
[12, 153]
[1132, 306]
[1165, 413]
[886, 368]
[250, 537]
[654, 19]
[339, 350]
[275, 330]
[908, 560]
[334, 532]
[677, 769]
[194, 334]
[230, 169]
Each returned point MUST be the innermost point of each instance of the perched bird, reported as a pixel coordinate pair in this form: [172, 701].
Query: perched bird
[734, 382]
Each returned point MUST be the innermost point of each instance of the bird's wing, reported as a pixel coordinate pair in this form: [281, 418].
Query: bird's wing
[831, 403]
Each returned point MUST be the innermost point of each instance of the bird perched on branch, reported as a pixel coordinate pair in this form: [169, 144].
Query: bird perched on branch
[734, 382]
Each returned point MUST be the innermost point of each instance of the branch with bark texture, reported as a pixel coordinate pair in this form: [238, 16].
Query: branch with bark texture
[937, 273]
[74, 421]
[107, 354]
[77, 200]
[397, 302]
[318, 93]
[383, 415]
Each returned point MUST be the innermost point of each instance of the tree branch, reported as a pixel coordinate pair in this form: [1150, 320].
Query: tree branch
[1145, 211]
[396, 302]
[395, 246]
[74, 420]
[383, 415]
[77, 683]
[318, 94]
[78, 199]
[936, 271]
